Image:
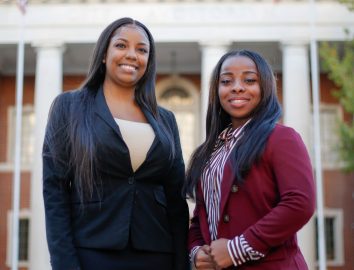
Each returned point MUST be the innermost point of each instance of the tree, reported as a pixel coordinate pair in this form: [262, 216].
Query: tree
[348, 3]
[338, 61]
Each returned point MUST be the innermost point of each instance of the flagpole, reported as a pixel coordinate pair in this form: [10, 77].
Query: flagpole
[17, 161]
[317, 140]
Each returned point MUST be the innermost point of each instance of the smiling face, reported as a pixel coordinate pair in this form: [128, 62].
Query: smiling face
[127, 56]
[239, 88]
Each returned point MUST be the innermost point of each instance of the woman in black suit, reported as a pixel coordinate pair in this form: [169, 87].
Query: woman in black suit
[112, 165]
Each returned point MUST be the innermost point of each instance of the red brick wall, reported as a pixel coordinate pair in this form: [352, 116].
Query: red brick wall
[7, 99]
[338, 189]
[72, 82]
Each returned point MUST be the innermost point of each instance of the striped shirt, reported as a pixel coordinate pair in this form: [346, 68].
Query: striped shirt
[213, 172]
[239, 249]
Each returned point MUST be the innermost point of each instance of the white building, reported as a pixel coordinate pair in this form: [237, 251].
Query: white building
[190, 36]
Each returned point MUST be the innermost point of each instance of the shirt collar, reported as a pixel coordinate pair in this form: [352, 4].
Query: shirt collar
[228, 133]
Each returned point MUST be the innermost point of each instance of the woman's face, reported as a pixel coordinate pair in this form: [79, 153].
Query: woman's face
[127, 56]
[239, 88]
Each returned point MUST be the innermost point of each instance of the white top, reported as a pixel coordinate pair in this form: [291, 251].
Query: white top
[138, 137]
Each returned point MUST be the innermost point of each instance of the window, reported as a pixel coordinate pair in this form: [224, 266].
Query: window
[27, 136]
[333, 219]
[23, 238]
[180, 96]
[175, 96]
[329, 117]
[24, 224]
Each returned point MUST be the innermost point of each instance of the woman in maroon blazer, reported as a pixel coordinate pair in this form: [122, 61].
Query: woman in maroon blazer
[251, 178]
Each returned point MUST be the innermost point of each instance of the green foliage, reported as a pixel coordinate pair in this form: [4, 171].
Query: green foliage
[348, 3]
[346, 132]
[340, 68]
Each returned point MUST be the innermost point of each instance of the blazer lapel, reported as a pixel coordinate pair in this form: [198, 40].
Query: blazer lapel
[203, 217]
[226, 183]
[101, 108]
[155, 126]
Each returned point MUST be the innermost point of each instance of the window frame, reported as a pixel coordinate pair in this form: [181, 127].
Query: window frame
[23, 214]
[9, 165]
[338, 111]
[337, 215]
[179, 82]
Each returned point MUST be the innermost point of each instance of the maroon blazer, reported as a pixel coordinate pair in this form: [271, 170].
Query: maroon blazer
[276, 199]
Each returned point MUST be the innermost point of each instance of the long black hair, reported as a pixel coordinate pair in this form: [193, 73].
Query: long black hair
[80, 127]
[250, 146]
[145, 89]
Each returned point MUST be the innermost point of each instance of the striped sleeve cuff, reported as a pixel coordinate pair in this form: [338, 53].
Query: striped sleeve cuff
[241, 252]
[192, 255]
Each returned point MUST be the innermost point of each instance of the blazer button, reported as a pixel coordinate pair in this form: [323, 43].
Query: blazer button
[131, 180]
[226, 218]
[234, 188]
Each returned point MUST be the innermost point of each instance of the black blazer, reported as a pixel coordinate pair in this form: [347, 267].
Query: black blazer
[144, 207]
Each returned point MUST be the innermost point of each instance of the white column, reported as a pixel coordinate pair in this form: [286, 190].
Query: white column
[48, 85]
[211, 53]
[297, 114]
[296, 88]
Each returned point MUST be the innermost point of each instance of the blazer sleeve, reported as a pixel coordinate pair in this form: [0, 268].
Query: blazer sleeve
[293, 174]
[56, 188]
[177, 206]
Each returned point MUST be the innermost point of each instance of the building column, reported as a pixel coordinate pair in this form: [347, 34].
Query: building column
[211, 53]
[48, 84]
[297, 114]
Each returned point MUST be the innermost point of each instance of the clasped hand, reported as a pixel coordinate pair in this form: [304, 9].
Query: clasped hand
[213, 257]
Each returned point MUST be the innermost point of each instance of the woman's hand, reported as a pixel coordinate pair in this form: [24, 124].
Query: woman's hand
[220, 254]
[203, 260]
